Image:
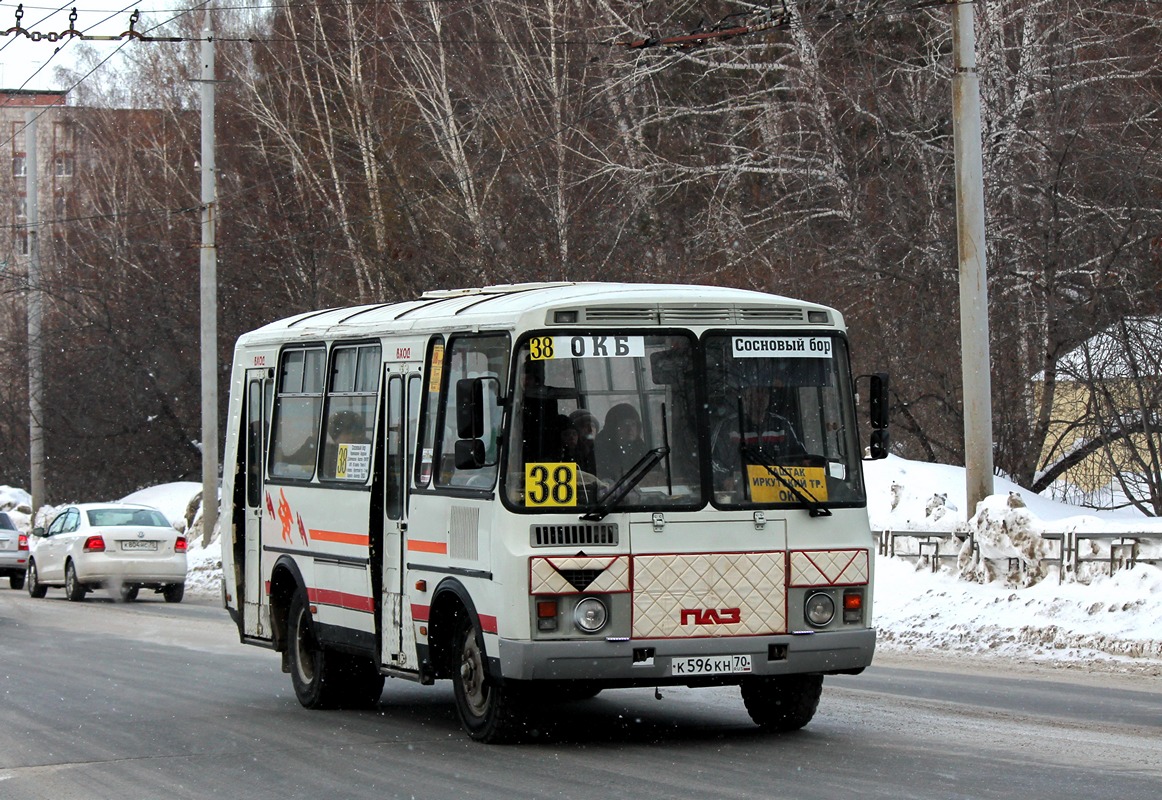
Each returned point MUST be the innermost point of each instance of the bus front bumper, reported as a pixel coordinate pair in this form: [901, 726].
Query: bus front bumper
[650, 662]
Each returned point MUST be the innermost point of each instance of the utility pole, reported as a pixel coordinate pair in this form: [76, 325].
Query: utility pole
[209, 293]
[976, 368]
[35, 314]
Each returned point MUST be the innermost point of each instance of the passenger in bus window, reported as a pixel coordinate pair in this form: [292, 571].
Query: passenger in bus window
[585, 427]
[620, 444]
[296, 450]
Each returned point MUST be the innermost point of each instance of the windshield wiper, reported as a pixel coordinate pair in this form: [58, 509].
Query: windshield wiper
[624, 485]
[756, 455]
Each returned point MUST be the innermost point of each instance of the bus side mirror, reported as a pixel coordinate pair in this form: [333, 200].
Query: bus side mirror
[879, 401]
[470, 454]
[471, 405]
[469, 409]
[878, 412]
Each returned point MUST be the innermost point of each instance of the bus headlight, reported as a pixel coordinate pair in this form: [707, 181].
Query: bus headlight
[819, 609]
[590, 615]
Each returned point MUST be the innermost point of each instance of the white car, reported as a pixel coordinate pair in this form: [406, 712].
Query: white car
[119, 546]
[13, 552]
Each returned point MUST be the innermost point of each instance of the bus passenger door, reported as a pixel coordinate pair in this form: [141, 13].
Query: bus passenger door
[402, 411]
[259, 399]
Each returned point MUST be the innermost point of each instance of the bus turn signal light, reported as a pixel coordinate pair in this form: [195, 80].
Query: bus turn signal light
[546, 615]
[852, 605]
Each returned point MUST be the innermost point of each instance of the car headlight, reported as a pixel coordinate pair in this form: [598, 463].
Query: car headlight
[819, 609]
[590, 615]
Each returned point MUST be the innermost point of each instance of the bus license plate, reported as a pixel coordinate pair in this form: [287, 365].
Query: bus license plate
[710, 665]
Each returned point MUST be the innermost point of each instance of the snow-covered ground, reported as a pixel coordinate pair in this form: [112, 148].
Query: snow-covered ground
[973, 605]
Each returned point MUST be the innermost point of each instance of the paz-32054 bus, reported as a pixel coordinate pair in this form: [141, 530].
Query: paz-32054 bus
[541, 491]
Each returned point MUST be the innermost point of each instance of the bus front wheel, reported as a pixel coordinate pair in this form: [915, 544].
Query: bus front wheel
[782, 703]
[489, 711]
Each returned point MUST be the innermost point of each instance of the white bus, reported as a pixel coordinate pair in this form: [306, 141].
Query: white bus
[540, 491]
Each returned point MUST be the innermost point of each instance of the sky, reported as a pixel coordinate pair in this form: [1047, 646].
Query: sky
[29, 64]
[1090, 621]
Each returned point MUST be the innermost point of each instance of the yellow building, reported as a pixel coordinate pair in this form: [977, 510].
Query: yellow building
[1107, 415]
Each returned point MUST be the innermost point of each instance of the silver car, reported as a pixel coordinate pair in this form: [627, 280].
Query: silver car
[118, 546]
[13, 552]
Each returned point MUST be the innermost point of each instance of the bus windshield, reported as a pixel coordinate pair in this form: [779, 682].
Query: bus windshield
[619, 421]
[780, 420]
[589, 408]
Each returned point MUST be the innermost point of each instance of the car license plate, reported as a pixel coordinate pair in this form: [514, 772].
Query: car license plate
[136, 544]
[710, 665]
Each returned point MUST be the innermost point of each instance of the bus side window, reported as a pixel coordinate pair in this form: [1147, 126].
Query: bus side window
[354, 385]
[297, 413]
[472, 357]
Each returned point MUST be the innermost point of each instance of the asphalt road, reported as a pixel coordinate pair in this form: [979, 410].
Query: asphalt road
[149, 700]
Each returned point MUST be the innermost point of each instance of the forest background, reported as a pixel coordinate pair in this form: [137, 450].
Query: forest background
[372, 149]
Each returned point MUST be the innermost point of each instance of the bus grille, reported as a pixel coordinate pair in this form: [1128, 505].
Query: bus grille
[580, 579]
[604, 533]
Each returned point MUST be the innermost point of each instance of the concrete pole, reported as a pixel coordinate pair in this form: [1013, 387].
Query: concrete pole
[35, 315]
[970, 231]
[209, 294]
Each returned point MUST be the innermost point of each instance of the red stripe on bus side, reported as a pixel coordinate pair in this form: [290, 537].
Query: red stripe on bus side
[338, 537]
[329, 597]
[421, 614]
[421, 546]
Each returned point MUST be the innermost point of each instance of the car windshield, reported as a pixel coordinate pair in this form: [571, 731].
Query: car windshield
[781, 425]
[590, 409]
[6, 522]
[117, 517]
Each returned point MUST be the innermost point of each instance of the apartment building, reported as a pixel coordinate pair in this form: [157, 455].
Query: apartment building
[56, 151]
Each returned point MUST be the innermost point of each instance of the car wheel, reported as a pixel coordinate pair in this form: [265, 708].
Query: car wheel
[489, 711]
[311, 666]
[35, 587]
[781, 704]
[16, 581]
[174, 592]
[74, 589]
[129, 592]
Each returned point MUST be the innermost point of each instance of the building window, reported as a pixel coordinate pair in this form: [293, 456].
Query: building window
[20, 206]
[63, 135]
[22, 242]
[63, 166]
[19, 167]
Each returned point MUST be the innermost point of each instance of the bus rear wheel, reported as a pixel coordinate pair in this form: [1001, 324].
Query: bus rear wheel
[489, 711]
[782, 703]
[309, 662]
[324, 678]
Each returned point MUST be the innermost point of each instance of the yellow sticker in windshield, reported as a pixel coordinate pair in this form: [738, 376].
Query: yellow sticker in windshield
[550, 484]
[811, 482]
